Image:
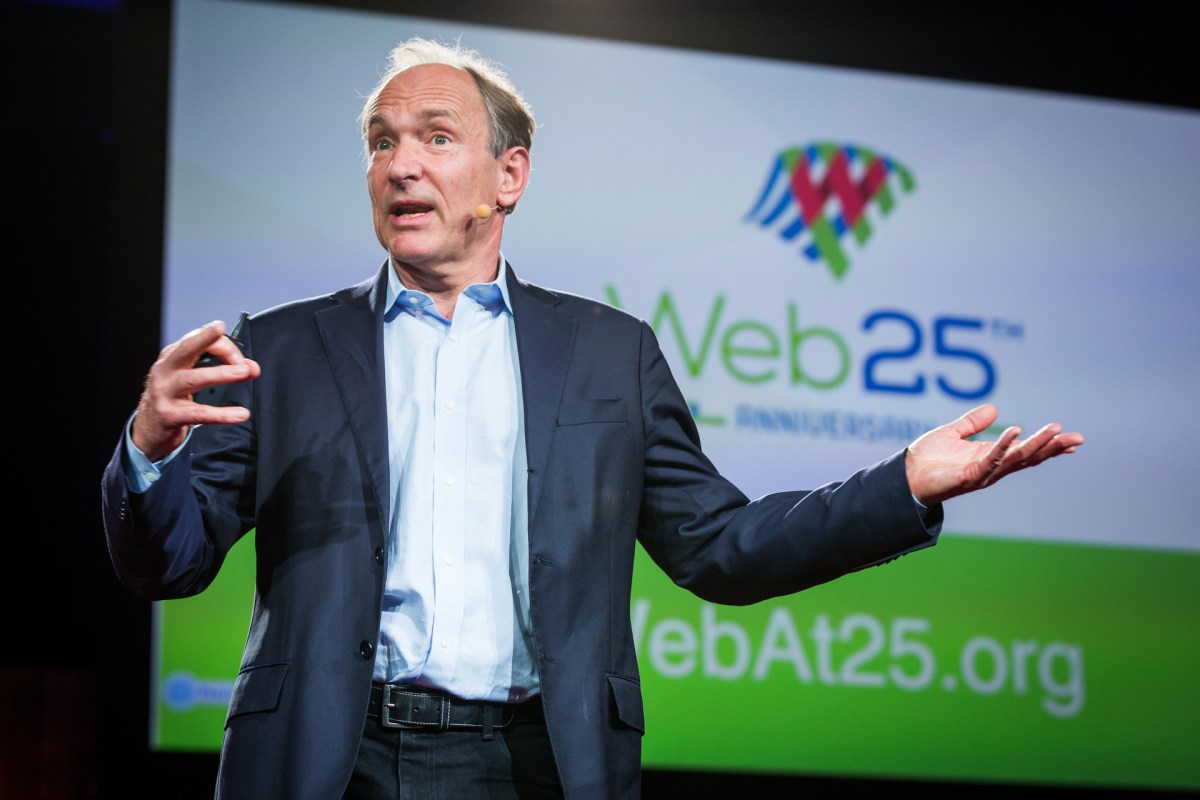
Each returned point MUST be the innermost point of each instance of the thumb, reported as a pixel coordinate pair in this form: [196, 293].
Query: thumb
[976, 420]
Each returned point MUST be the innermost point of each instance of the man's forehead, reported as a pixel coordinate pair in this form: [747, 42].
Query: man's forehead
[434, 85]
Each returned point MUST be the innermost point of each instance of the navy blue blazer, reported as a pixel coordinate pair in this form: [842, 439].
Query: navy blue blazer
[614, 459]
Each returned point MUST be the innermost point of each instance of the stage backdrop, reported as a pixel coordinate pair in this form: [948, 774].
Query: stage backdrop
[834, 262]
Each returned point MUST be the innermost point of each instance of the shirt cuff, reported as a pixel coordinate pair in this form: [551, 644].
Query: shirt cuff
[140, 471]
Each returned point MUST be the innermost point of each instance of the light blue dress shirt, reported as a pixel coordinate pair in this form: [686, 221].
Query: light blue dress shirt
[455, 602]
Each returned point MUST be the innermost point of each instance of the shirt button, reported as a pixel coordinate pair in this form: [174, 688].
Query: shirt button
[449, 559]
[378, 555]
[449, 480]
[445, 644]
[454, 337]
[366, 649]
[413, 299]
[449, 405]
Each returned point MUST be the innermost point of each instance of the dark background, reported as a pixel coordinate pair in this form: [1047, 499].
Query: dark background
[84, 144]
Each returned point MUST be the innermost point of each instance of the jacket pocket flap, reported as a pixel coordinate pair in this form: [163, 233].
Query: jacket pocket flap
[258, 688]
[627, 697]
[579, 412]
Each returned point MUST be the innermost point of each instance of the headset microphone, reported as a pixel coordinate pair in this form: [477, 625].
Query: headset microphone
[484, 210]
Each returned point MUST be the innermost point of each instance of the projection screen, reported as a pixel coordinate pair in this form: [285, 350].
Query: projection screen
[834, 261]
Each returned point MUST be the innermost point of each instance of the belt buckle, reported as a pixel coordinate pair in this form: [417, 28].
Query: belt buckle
[440, 716]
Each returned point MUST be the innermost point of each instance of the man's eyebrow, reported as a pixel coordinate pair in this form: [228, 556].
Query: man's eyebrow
[426, 115]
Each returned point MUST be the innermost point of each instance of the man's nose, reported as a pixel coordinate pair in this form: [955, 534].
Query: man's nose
[405, 162]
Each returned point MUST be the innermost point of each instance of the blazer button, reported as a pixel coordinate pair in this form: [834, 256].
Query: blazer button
[366, 649]
[378, 555]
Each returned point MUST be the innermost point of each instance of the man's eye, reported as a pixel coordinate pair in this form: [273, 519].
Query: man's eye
[383, 144]
[441, 139]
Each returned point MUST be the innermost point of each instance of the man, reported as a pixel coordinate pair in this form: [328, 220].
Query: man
[448, 470]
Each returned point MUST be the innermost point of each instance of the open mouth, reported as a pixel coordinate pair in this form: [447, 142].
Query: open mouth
[409, 209]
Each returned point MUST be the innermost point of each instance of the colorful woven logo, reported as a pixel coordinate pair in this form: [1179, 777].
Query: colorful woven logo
[818, 193]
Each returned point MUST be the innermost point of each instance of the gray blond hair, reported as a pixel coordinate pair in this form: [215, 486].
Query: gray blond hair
[511, 117]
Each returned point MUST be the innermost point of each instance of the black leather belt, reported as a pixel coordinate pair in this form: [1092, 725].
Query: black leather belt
[418, 708]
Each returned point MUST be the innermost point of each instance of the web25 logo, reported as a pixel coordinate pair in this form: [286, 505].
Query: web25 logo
[818, 193]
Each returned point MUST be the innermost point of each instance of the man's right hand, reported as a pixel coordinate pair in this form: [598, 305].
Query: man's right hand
[167, 409]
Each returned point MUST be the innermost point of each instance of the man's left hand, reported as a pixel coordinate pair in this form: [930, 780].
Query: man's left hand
[942, 463]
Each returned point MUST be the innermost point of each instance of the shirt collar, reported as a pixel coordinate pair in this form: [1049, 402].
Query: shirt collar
[492, 295]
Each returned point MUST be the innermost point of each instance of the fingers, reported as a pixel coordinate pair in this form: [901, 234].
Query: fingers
[1028, 449]
[188, 349]
[207, 342]
[161, 425]
[190, 381]
[199, 359]
[1048, 442]
[167, 408]
[1070, 441]
[1058, 445]
[1000, 449]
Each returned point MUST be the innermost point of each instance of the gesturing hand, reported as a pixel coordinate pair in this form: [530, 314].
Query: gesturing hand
[942, 463]
[166, 409]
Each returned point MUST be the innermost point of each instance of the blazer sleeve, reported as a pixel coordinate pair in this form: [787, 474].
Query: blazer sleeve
[714, 541]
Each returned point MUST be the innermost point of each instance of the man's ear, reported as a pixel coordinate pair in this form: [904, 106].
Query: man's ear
[515, 163]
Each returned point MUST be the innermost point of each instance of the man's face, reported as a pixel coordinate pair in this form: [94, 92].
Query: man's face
[431, 166]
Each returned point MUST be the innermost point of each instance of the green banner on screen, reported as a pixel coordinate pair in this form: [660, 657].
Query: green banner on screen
[982, 659]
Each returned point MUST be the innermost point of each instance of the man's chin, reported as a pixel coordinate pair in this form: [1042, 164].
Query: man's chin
[413, 257]
[408, 248]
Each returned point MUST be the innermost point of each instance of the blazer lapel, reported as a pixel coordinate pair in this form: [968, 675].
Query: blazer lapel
[352, 332]
[545, 339]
